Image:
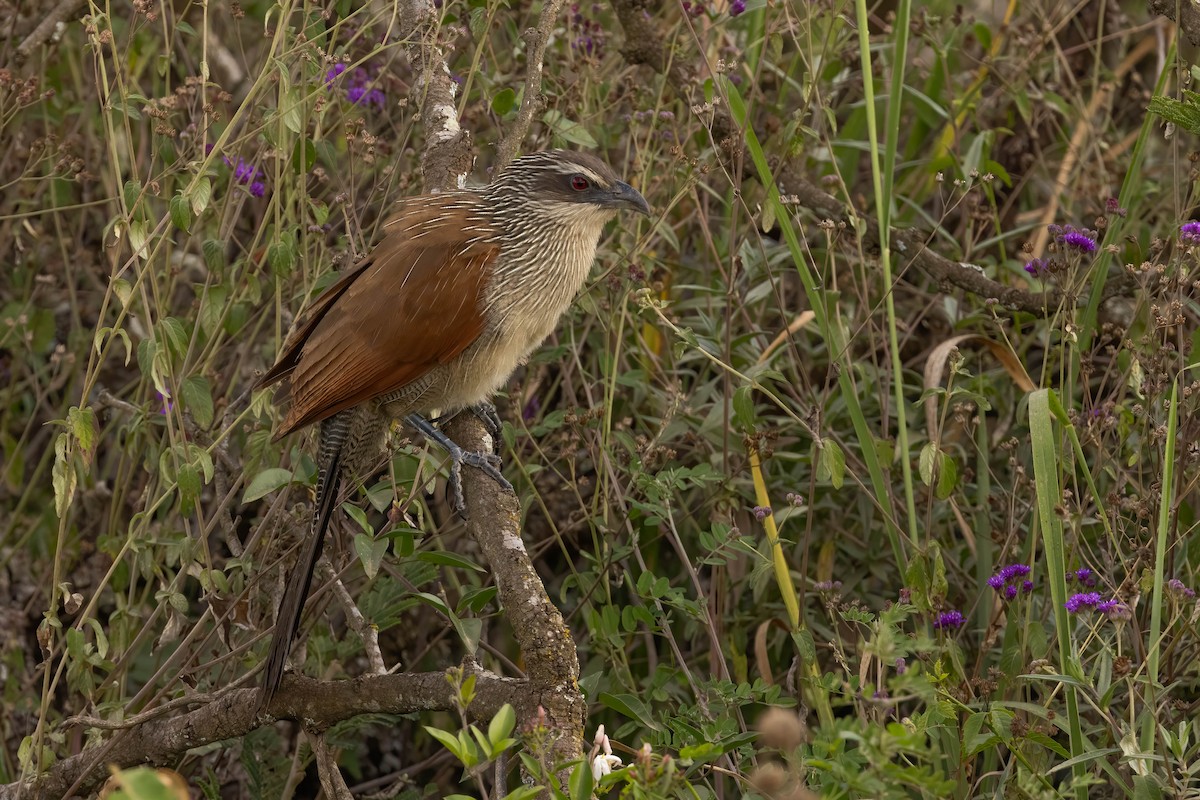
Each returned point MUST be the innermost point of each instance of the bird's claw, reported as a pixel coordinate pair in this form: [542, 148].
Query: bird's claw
[487, 463]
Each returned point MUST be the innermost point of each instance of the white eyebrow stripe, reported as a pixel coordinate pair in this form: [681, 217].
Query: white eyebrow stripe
[571, 169]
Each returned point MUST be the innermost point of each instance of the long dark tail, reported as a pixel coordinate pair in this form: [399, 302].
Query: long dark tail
[291, 607]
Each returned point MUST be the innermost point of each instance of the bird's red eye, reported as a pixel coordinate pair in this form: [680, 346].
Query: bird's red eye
[579, 183]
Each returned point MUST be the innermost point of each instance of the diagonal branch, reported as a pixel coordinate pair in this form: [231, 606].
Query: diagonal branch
[532, 100]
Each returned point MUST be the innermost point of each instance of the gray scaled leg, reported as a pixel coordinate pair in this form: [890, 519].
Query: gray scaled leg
[487, 463]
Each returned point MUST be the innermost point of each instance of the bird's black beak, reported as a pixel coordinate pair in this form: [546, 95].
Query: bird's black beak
[625, 196]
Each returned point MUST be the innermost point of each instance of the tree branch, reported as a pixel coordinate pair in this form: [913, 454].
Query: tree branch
[532, 100]
[318, 704]
[551, 660]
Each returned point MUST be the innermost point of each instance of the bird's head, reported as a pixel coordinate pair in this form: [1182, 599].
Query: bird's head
[566, 187]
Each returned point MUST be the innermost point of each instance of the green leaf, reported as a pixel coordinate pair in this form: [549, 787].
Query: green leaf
[444, 559]
[197, 399]
[188, 480]
[292, 110]
[177, 336]
[582, 781]
[200, 195]
[83, 427]
[266, 482]
[370, 552]
[282, 257]
[504, 102]
[631, 706]
[831, 463]
[743, 407]
[448, 740]
[568, 129]
[304, 156]
[181, 213]
[214, 254]
[502, 724]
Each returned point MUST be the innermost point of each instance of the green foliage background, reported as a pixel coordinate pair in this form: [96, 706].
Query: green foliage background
[145, 285]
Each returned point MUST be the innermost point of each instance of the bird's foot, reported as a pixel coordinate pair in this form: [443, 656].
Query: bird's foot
[485, 412]
[487, 463]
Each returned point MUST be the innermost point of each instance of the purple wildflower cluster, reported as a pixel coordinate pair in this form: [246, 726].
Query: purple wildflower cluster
[1095, 601]
[1113, 206]
[737, 8]
[1177, 588]
[1080, 239]
[692, 9]
[360, 90]
[587, 34]
[1189, 233]
[1083, 576]
[762, 512]
[948, 620]
[248, 174]
[1011, 580]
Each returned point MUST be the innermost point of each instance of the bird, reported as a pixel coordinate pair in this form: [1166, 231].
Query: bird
[459, 291]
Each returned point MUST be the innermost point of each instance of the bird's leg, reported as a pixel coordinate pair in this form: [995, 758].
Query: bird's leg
[291, 608]
[485, 412]
[487, 463]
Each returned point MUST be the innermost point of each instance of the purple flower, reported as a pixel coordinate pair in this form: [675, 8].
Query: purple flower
[1080, 242]
[1005, 581]
[587, 34]
[1038, 267]
[167, 405]
[737, 8]
[247, 173]
[333, 74]
[360, 90]
[762, 512]
[1082, 600]
[1189, 233]
[1113, 609]
[827, 586]
[1080, 239]
[1113, 206]
[1083, 576]
[1176, 587]
[901, 667]
[949, 619]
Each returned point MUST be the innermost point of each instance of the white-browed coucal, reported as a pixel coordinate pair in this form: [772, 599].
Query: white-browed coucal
[460, 290]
